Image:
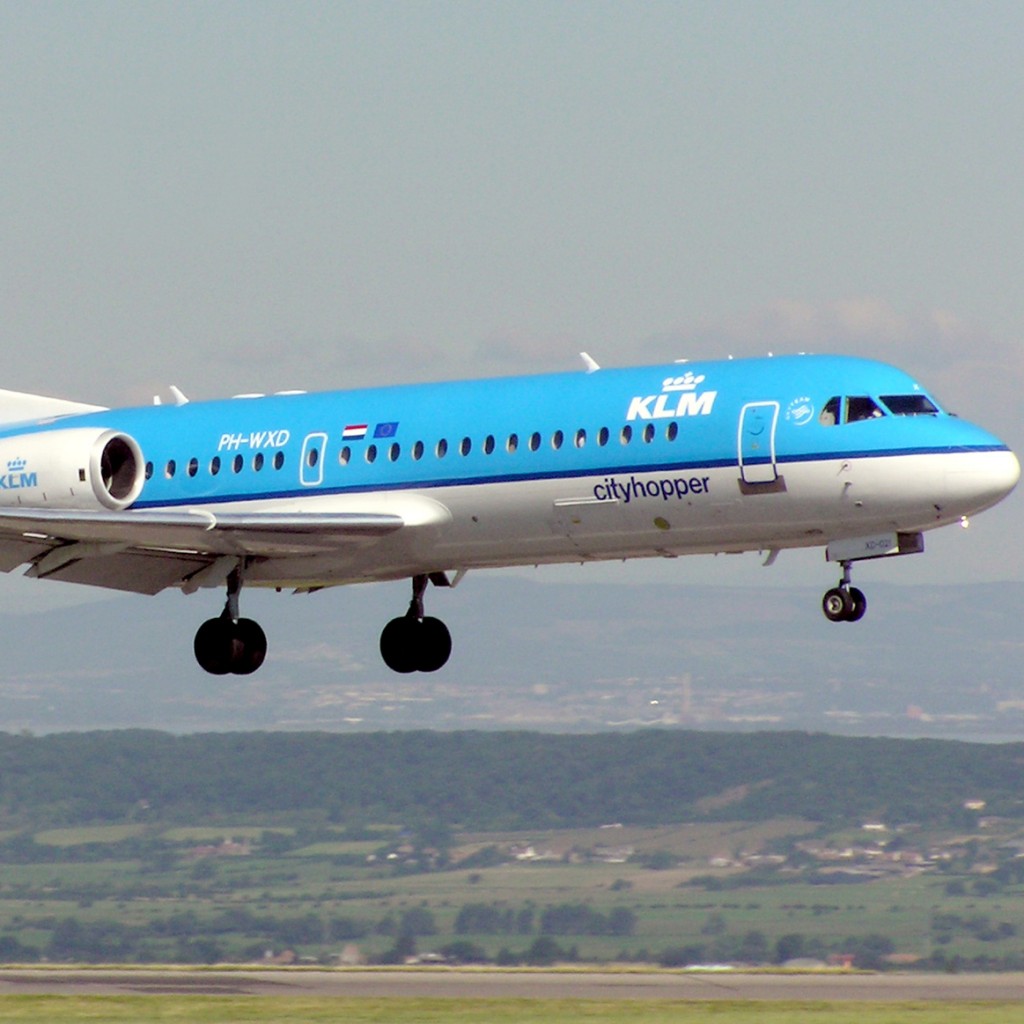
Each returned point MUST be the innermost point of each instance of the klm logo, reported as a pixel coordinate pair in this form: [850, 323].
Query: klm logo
[15, 479]
[679, 397]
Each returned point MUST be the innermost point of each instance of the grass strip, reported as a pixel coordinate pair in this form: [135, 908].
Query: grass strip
[45, 1009]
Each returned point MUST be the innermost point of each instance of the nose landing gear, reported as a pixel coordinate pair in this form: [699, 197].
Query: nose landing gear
[844, 603]
[415, 642]
[230, 643]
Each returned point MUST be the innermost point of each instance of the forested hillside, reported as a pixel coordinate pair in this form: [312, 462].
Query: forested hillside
[500, 780]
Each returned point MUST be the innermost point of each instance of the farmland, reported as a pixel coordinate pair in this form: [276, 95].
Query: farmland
[266, 892]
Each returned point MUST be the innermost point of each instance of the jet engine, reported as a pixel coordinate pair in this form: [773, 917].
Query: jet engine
[79, 468]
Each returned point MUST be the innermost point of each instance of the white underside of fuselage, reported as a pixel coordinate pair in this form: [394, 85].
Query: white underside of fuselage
[643, 515]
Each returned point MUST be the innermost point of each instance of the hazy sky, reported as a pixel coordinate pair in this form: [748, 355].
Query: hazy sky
[250, 196]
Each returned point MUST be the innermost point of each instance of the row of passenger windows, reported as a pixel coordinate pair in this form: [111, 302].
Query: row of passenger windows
[236, 465]
[533, 442]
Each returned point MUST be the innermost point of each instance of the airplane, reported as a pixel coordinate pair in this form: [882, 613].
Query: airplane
[429, 481]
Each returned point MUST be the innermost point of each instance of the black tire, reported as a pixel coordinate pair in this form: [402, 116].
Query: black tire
[858, 605]
[435, 644]
[836, 605]
[249, 647]
[214, 646]
[399, 644]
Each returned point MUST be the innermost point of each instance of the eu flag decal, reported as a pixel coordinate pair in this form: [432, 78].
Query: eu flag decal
[385, 429]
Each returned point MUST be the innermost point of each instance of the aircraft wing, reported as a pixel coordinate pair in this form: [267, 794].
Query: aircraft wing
[147, 550]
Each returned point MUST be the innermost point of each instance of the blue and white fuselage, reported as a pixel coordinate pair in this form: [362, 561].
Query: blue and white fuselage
[314, 490]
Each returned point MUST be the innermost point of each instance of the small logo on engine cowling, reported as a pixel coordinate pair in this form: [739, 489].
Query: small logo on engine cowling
[15, 479]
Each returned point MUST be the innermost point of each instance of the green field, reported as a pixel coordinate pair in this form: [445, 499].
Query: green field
[285, 1010]
[153, 893]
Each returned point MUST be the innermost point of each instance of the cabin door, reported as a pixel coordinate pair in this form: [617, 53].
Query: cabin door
[311, 470]
[758, 421]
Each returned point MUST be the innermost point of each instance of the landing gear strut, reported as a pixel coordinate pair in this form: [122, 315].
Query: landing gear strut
[844, 603]
[229, 643]
[415, 642]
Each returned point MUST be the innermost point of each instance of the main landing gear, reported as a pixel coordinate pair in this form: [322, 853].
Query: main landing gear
[844, 603]
[416, 642]
[229, 643]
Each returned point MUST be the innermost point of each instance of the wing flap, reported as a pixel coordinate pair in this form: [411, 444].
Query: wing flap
[259, 534]
[140, 572]
[148, 550]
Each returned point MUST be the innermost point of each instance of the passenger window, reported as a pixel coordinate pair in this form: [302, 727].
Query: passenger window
[442, 448]
[417, 451]
[312, 456]
[830, 413]
[257, 461]
[215, 465]
[193, 467]
[512, 444]
[149, 470]
[556, 439]
[910, 405]
[649, 433]
[626, 435]
[581, 438]
[344, 455]
[534, 441]
[278, 460]
[602, 436]
[236, 464]
[465, 446]
[394, 451]
[371, 453]
[860, 407]
[488, 444]
[672, 431]
[171, 467]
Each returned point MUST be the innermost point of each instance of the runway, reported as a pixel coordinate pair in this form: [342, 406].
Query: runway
[444, 983]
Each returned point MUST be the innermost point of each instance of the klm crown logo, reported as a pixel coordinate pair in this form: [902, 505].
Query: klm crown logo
[688, 382]
[680, 396]
[16, 479]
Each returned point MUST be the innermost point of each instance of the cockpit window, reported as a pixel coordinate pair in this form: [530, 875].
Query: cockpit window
[830, 412]
[849, 410]
[860, 407]
[910, 405]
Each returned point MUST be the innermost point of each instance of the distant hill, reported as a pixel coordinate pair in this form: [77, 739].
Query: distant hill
[501, 780]
[926, 661]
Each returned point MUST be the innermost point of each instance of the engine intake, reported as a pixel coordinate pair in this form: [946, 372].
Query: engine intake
[81, 468]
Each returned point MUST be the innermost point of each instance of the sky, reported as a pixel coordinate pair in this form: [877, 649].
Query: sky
[240, 197]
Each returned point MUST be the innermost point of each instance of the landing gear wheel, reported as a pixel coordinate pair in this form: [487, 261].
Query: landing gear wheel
[435, 644]
[213, 646]
[837, 604]
[222, 646]
[417, 642]
[250, 647]
[858, 605]
[399, 644]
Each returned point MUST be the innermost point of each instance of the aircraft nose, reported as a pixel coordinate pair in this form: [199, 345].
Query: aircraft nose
[983, 480]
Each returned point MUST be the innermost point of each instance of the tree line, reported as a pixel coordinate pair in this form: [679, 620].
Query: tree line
[503, 780]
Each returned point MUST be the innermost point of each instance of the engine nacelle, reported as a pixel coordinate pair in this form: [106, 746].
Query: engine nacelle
[81, 468]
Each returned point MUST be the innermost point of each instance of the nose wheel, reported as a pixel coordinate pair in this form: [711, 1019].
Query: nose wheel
[228, 643]
[415, 642]
[844, 603]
